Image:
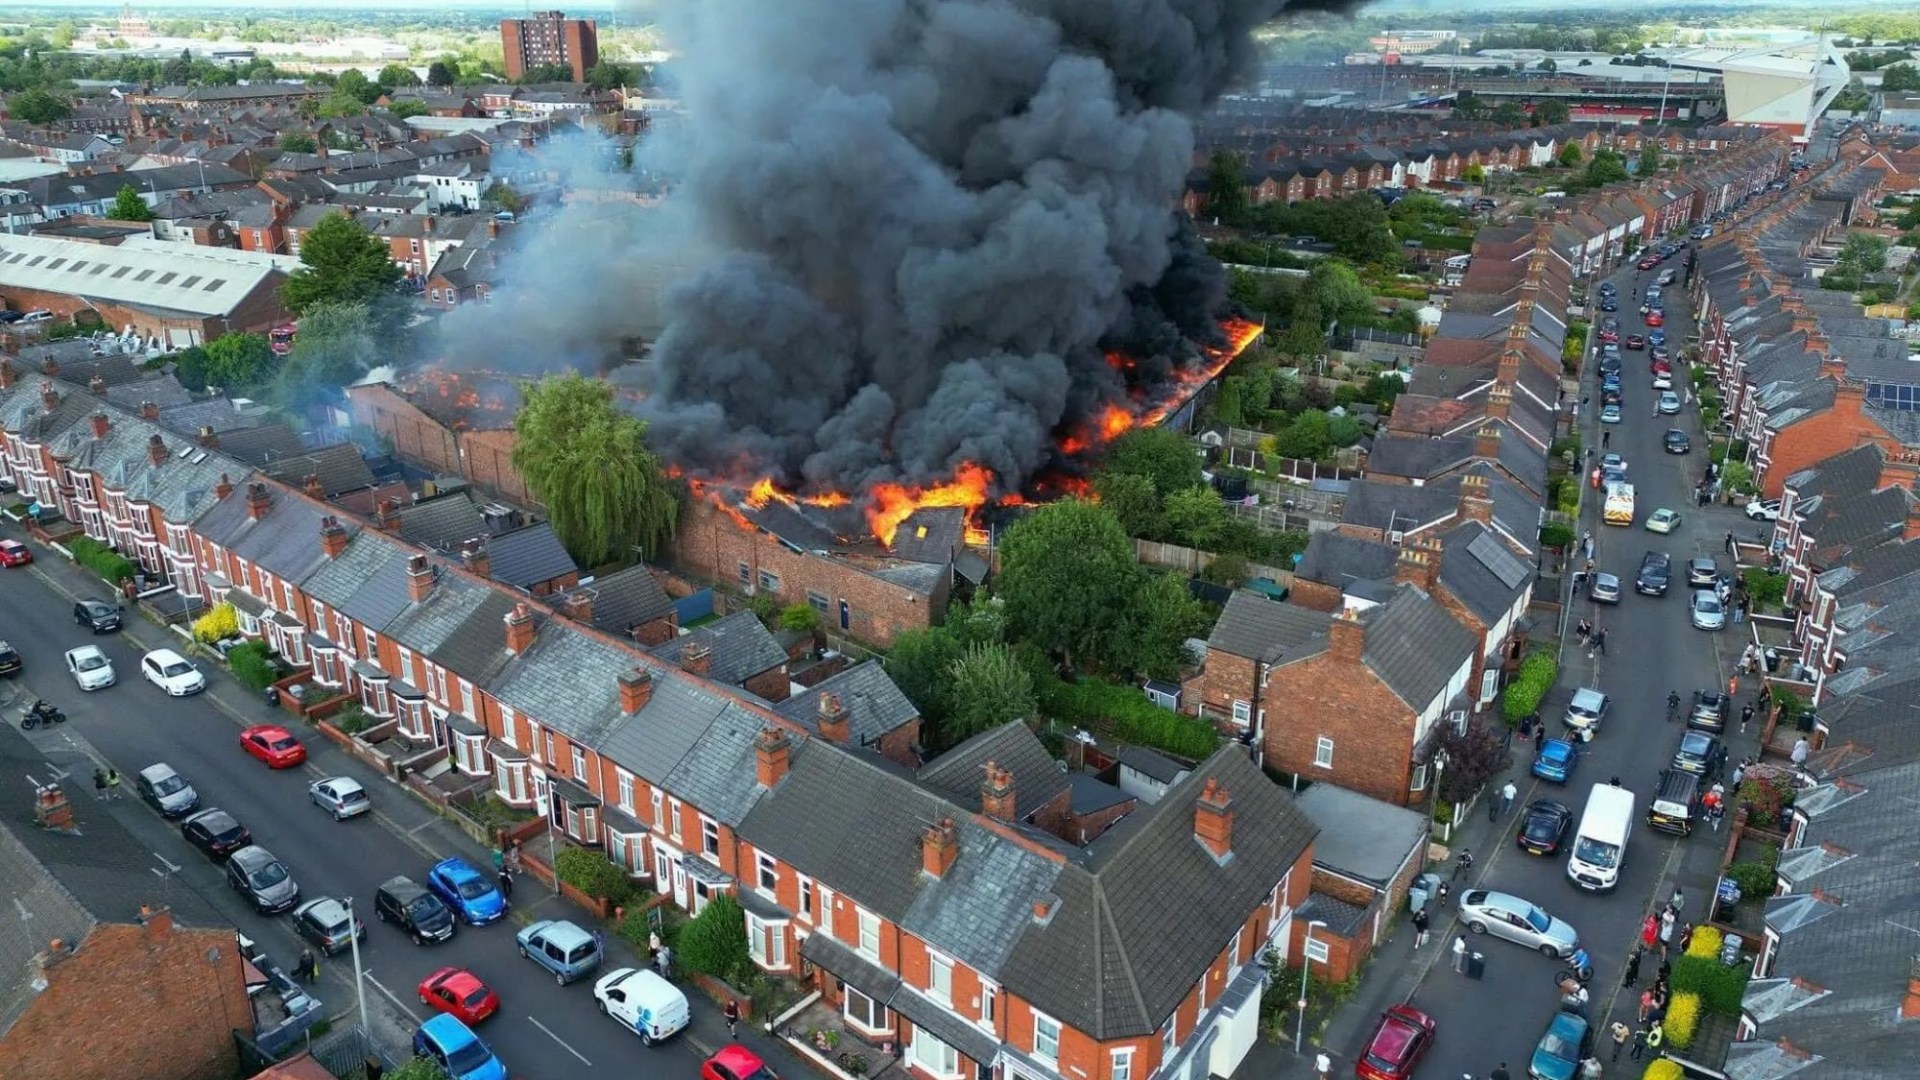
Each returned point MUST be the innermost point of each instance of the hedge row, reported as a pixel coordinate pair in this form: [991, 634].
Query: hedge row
[1129, 716]
[1718, 986]
[1538, 672]
[101, 559]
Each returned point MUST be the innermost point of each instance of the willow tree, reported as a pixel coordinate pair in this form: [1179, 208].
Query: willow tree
[586, 460]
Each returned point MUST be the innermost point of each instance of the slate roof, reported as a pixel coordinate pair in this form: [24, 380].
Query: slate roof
[340, 468]
[1336, 559]
[527, 557]
[931, 535]
[1152, 764]
[622, 600]
[1377, 504]
[1482, 571]
[1253, 626]
[959, 773]
[566, 679]
[741, 645]
[444, 523]
[1411, 643]
[367, 582]
[286, 542]
[874, 703]
[1361, 838]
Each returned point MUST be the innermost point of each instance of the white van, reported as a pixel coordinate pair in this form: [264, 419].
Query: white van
[643, 1002]
[1600, 845]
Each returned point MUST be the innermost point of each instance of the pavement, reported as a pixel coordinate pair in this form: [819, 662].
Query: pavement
[543, 1031]
[1651, 648]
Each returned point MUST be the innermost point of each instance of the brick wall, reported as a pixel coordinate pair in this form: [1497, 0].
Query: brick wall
[414, 435]
[1315, 594]
[1225, 679]
[1819, 437]
[771, 684]
[488, 460]
[133, 993]
[1372, 730]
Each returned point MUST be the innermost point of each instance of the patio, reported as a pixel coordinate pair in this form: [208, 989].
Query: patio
[821, 1035]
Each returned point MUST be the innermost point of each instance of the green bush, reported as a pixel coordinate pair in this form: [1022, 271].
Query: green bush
[252, 663]
[1718, 986]
[1524, 694]
[351, 720]
[594, 874]
[102, 560]
[1764, 590]
[715, 942]
[1709, 418]
[1756, 880]
[1131, 717]
[1556, 536]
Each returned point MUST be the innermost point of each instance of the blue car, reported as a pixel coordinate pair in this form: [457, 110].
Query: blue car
[467, 891]
[1567, 1040]
[1656, 337]
[453, 1046]
[1556, 759]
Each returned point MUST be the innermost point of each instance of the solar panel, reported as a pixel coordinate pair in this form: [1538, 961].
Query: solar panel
[1498, 559]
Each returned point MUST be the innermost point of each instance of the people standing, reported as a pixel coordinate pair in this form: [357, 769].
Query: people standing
[1632, 974]
[113, 782]
[513, 858]
[1746, 717]
[1646, 1004]
[1740, 772]
[1600, 640]
[1677, 901]
[506, 883]
[1463, 863]
[1322, 1065]
[1622, 1034]
[308, 968]
[100, 785]
[1639, 1043]
[1686, 938]
[1733, 686]
[1460, 954]
[1729, 543]
[1801, 749]
[1656, 1034]
[1507, 795]
[653, 945]
[1583, 630]
[1420, 926]
[732, 1014]
[1500, 1073]
[1666, 932]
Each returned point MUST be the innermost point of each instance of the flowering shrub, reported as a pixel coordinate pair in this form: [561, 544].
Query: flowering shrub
[218, 624]
[1683, 1020]
[1662, 1069]
[1705, 943]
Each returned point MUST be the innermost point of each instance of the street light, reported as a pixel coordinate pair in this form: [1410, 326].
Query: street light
[1306, 968]
[359, 979]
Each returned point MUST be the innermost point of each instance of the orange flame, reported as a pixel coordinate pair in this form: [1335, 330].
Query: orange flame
[892, 504]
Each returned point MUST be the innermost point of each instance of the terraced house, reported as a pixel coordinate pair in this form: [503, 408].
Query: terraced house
[983, 912]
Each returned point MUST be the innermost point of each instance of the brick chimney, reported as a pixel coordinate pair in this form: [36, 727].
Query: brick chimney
[314, 489]
[157, 450]
[833, 719]
[939, 846]
[151, 411]
[49, 397]
[579, 608]
[997, 795]
[1213, 820]
[158, 921]
[50, 368]
[1910, 529]
[1508, 373]
[386, 515]
[1804, 324]
[772, 752]
[519, 629]
[51, 808]
[419, 578]
[1832, 367]
[101, 425]
[1475, 501]
[224, 488]
[1416, 567]
[8, 376]
[636, 689]
[1898, 468]
[1910, 1001]
[697, 659]
[1516, 334]
[474, 554]
[206, 437]
[333, 537]
[97, 385]
[1346, 637]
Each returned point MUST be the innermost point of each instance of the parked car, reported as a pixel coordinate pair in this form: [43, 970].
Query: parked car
[274, 745]
[735, 1062]
[1763, 509]
[1400, 1039]
[97, 615]
[1566, 1042]
[1610, 414]
[1699, 753]
[15, 553]
[1520, 921]
[1676, 441]
[341, 796]
[172, 672]
[1702, 572]
[1655, 318]
[643, 1003]
[413, 908]
[165, 790]
[1543, 827]
[328, 924]
[216, 833]
[453, 1046]
[90, 668]
[1663, 380]
[1586, 710]
[459, 992]
[1604, 588]
[564, 949]
[470, 893]
[10, 662]
[1555, 759]
[1706, 611]
[264, 881]
[1636, 342]
[1656, 572]
[1709, 712]
[1663, 520]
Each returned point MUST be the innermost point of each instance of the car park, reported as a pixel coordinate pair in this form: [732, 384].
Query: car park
[415, 909]
[1702, 572]
[1676, 441]
[1562, 1047]
[471, 894]
[564, 949]
[643, 1003]
[735, 1062]
[1763, 509]
[273, 745]
[460, 993]
[1543, 826]
[15, 553]
[1401, 1037]
[1604, 588]
[90, 668]
[1709, 712]
[459, 1053]
[1656, 572]
[328, 924]
[1663, 521]
[1586, 710]
[1555, 759]
[97, 615]
[1520, 921]
[172, 672]
[166, 791]
[1706, 611]
[341, 796]
[216, 833]
[1699, 753]
[262, 880]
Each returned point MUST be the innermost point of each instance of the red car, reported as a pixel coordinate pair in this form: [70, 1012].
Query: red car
[1654, 318]
[1610, 337]
[1636, 342]
[459, 993]
[736, 1062]
[274, 745]
[15, 553]
[1403, 1036]
[1647, 264]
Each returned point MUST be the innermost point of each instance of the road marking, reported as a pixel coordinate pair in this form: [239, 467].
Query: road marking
[389, 995]
[561, 1041]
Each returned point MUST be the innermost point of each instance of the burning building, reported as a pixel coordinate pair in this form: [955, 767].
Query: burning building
[447, 423]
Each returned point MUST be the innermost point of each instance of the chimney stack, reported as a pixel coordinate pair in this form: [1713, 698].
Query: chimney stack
[1910, 529]
[474, 554]
[1486, 442]
[333, 537]
[1898, 468]
[519, 629]
[419, 578]
[50, 368]
[939, 846]
[207, 437]
[156, 450]
[772, 752]
[224, 488]
[101, 425]
[8, 376]
[1346, 637]
[697, 660]
[1417, 567]
[386, 515]
[1475, 501]
[1213, 820]
[1910, 1002]
[97, 385]
[314, 489]
[49, 397]
[580, 608]
[636, 689]
[833, 719]
[997, 795]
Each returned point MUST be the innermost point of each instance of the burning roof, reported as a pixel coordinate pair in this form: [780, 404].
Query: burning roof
[475, 400]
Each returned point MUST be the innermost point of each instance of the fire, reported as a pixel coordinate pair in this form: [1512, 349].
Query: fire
[1114, 422]
[891, 504]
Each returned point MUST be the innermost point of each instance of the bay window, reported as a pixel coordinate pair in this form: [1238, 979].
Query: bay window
[933, 1056]
[767, 942]
[865, 1013]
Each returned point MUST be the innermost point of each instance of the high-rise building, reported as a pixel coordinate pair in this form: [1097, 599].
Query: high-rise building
[549, 37]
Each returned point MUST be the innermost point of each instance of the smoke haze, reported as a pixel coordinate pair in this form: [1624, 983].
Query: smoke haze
[929, 220]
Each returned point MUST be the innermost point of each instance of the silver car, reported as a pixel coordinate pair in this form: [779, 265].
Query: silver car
[1507, 916]
[1707, 611]
[1585, 711]
[90, 668]
[1604, 588]
[341, 796]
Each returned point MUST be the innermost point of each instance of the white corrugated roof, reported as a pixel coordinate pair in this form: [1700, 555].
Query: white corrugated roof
[193, 280]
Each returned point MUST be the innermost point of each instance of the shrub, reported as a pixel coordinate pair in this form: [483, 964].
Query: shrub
[1705, 944]
[1663, 1069]
[1765, 797]
[594, 874]
[1756, 880]
[1128, 714]
[1718, 987]
[351, 720]
[101, 559]
[1523, 695]
[218, 624]
[715, 942]
[1556, 536]
[635, 928]
[1683, 1019]
[800, 617]
[1764, 590]
[764, 606]
[252, 663]
[1709, 418]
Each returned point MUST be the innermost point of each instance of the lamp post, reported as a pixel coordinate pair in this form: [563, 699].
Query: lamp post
[359, 979]
[1306, 968]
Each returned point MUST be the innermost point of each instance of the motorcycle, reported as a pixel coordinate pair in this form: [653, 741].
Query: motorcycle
[40, 714]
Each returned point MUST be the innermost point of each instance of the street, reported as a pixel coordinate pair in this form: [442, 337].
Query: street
[542, 1032]
[1651, 648]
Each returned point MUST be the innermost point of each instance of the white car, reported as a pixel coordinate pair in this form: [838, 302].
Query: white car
[1764, 510]
[1663, 380]
[1662, 520]
[341, 796]
[172, 672]
[90, 667]
[1706, 611]
[1613, 461]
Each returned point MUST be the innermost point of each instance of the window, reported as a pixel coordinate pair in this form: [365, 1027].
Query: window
[770, 581]
[989, 1005]
[1233, 953]
[548, 737]
[1419, 778]
[934, 1056]
[1046, 1039]
[709, 837]
[579, 764]
[534, 742]
[869, 934]
[940, 978]
[1122, 1065]
[864, 1012]
[826, 909]
[767, 942]
[806, 898]
[373, 642]
[655, 799]
[470, 705]
[673, 819]
[1316, 950]
[1168, 1043]
[816, 602]
[746, 574]
[406, 664]
[1323, 752]
[1242, 713]
[625, 783]
[766, 873]
[508, 729]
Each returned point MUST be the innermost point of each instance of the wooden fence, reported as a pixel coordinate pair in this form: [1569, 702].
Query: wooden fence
[1191, 561]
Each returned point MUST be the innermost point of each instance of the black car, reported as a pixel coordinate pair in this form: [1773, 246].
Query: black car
[216, 833]
[409, 905]
[1656, 573]
[10, 662]
[1709, 711]
[1676, 441]
[1609, 304]
[1610, 396]
[97, 615]
[1699, 753]
[1543, 826]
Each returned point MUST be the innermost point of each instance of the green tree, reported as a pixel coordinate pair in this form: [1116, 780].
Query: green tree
[190, 366]
[397, 75]
[1571, 155]
[919, 666]
[1344, 430]
[607, 75]
[236, 359]
[586, 460]
[1550, 112]
[1899, 78]
[1649, 157]
[1309, 437]
[1230, 407]
[1474, 174]
[1133, 500]
[1306, 334]
[407, 109]
[501, 195]
[1339, 293]
[38, 106]
[715, 942]
[416, 1068]
[440, 74]
[1196, 517]
[546, 73]
[998, 689]
[1162, 616]
[335, 347]
[129, 206]
[299, 142]
[1606, 167]
[1160, 454]
[1067, 576]
[1548, 65]
[358, 87]
[1226, 187]
[340, 263]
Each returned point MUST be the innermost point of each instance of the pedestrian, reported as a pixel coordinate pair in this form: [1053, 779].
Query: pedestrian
[1420, 926]
[113, 782]
[499, 860]
[1730, 543]
[1639, 1043]
[1646, 1004]
[600, 941]
[664, 961]
[1622, 1034]
[1666, 932]
[1590, 1069]
[506, 884]
[371, 1068]
[307, 968]
[1739, 773]
[1746, 717]
[1460, 954]
[1322, 1065]
[653, 944]
[1677, 902]
[1500, 1073]
[1539, 733]
[1600, 640]
[1526, 729]
[513, 858]
[1801, 748]
[1507, 795]
[1733, 686]
[1632, 973]
[1655, 1035]
[1583, 630]
[1441, 896]
[1463, 863]
[1740, 612]
[732, 1014]
[1686, 937]
[1606, 437]
[100, 785]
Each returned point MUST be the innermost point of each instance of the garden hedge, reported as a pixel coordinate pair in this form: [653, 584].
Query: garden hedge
[1538, 672]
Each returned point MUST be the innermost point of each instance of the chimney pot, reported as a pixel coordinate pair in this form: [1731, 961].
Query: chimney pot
[313, 487]
[49, 397]
[772, 753]
[156, 450]
[97, 385]
[997, 795]
[224, 488]
[333, 537]
[207, 437]
[1213, 819]
[419, 578]
[939, 847]
[1475, 503]
[636, 689]
[1346, 638]
[1486, 441]
[386, 515]
[101, 425]
[697, 659]
[520, 629]
[474, 554]
[833, 719]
